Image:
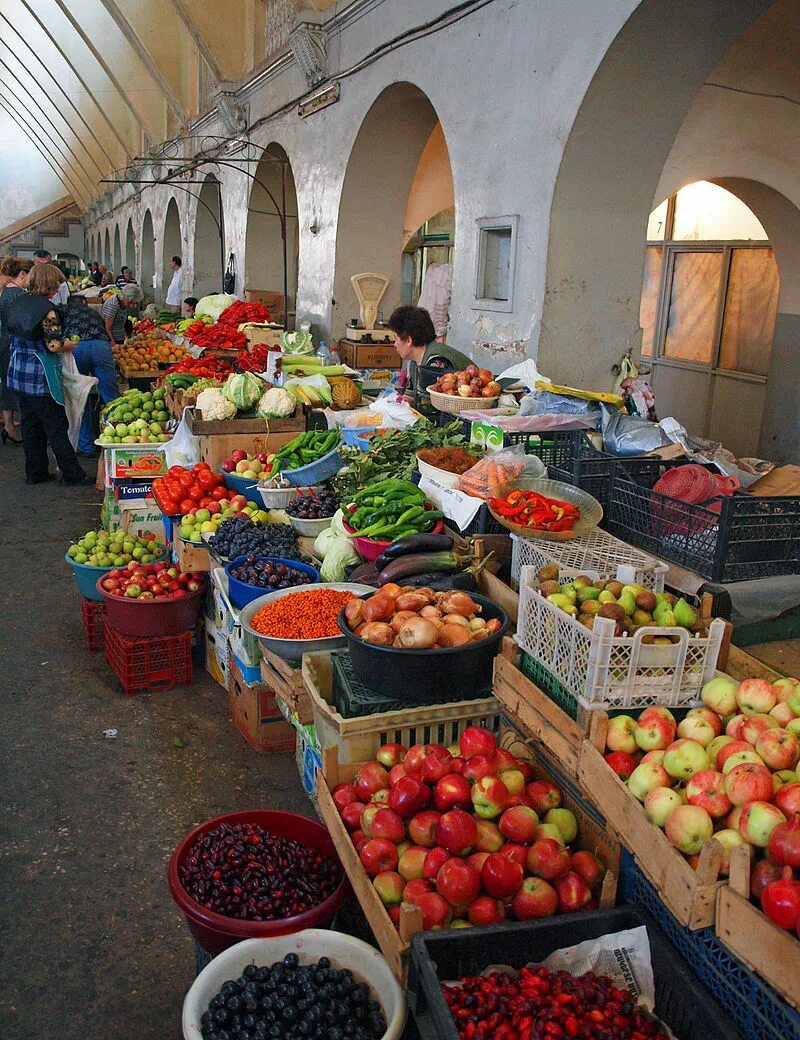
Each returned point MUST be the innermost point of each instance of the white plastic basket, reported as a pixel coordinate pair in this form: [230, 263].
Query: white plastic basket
[601, 670]
[598, 554]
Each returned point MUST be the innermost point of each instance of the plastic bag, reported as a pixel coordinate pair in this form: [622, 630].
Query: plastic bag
[76, 394]
[543, 402]
[184, 448]
[627, 435]
[498, 468]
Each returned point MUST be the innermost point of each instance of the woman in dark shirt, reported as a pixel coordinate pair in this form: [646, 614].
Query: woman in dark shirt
[94, 358]
[14, 273]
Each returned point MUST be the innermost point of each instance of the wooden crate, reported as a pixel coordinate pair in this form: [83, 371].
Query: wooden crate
[394, 944]
[215, 448]
[542, 718]
[287, 683]
[770, 951]
[224, 427]
[741, 665]
[191, 557]
[499, 545]
[689, 894]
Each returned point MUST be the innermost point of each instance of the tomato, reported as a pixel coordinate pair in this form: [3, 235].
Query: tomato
[204, 502]
[186, 479]
[169, 506]
[195, 491]
[175, 471]
[186, 505]
[207, 480]
[219, 492]
[199, 467]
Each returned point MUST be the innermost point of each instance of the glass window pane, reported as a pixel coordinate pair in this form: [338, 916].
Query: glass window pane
[750, 309]
[657, 223]
[648, 307]
[693, 306]
[704, 211]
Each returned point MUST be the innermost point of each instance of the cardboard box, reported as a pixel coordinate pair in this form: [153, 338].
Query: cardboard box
[144, 520]
[270, 337]
[129, 461]
[256, 715]
[215, 449]
[783, 480]
[216, 654]
[244, 646]
[368, 355]
[132, 491]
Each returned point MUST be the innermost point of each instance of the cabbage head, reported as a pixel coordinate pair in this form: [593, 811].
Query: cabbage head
[338, 558]
[243, 389]
[213, 305]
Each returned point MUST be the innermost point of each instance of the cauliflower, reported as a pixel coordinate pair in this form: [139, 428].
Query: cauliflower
[213, 405]
[276, 403]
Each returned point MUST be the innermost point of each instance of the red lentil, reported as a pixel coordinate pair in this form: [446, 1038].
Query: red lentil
[302, 615]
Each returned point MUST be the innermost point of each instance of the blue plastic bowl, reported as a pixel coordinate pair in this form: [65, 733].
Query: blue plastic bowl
[239, 485]
[87, 576]
[240, 593]
[355, 436]
[315, 472]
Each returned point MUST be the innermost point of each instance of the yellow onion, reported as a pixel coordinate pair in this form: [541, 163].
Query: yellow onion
[379, 607]
[400, 619]
[456, 602]
[391, 588]
[453, 635]
[354, 612]
[493, 626]
[432, 614]
[378, 633]
[418, 634]
[476, 623]
[410, 601]
[455, 619]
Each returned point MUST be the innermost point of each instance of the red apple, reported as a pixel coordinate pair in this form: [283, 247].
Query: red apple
[778, 748]
[416, 888]
[380, 797]
[505, 760]
[457, 832]
[387, 824]
[756, 696]
[654, 733]
[422, 828]
[535, 898]
[517, 853]
[368, 814]
[518, 799]
[359, 839]
[544, 794]
[756, 726]
[408, 796]
[458, 883]
[547, 859]
[519, 824]
[489, 797]
[378, 855]
[748, 783]
[480, 766]
[709, 716]
[688, 828]
[458, 764]
[390, 755]
[452, 792]
[436, 911]
[396, 773]
[733, 748]
[758, 821]
[389, 886]
[351, 814]
[411, 865]
[476, 741]
[514, 781]
[585, 865]
[622, 763]
[573, 893]
[489, 837]
[707, 789]
[619, 734]
[477, 859]
[434, 862]
[784, 844]
[486, 910]
[501, 876]
[788, 799]
[370, 778]
[436, 765]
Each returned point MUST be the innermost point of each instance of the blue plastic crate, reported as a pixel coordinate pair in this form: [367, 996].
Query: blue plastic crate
[760, 1012]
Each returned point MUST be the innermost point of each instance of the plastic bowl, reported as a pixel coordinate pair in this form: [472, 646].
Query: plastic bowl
[310, 528]
[424, 675]
[215, 932]
[293, 649]
[238, 484]
[365, 962]
[441, 476]
[153, 617]
[241, 593]
[369, 549]
[87, 576]
[590, 509]
[277, 498]
[315, 472]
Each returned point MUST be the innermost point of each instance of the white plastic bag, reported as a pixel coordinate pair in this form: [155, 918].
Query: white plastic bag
[184, 448]
[77, 388]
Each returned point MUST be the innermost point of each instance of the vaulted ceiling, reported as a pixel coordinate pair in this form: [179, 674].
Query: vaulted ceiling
[92, 83]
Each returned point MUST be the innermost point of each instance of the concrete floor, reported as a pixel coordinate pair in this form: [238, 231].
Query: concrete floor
[91, 944]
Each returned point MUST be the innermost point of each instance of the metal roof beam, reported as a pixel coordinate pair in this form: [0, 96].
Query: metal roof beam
[145, 57]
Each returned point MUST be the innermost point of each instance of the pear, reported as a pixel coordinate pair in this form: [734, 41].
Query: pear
[633, 589]
[582, 581]
[549, 587]
[587, 592]
[642, 617]
[599, 584]
[548, 573]
[661, 609]
[615, 588]
[684, 614]
[591, 607]
[563, 603]
[646, 600]
[607, 596]
[587, 620]
[667, 619]
[612, 610]
[628, 603]
[660, 598]
[569, 588]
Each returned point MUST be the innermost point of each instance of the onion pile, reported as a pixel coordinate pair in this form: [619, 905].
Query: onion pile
[418, 619]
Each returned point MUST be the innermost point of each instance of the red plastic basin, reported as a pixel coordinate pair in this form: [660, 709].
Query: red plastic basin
[152, 617]
[369, 549]
[215, 932]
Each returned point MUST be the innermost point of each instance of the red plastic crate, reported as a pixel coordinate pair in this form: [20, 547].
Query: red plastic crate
[150, 663]
[94, 623]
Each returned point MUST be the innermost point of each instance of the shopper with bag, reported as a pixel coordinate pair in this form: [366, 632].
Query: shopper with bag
[93, 357]
[14, 276]
[35, 375]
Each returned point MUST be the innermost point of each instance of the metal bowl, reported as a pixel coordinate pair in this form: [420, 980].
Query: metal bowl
[293, 649]
[590, 509]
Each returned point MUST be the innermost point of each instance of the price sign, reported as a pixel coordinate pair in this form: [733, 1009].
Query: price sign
[486, 436]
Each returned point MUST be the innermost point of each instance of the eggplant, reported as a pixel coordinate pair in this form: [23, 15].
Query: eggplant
[417, 563]
[440, 582]
[414, 543]
[365, 574]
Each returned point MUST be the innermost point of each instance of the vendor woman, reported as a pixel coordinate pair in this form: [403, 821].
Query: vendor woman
[415, 341]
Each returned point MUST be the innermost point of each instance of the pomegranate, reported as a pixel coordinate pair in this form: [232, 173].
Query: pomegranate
[780, 900]
[784, 843]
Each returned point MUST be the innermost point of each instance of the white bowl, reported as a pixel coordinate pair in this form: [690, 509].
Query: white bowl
[365, 962]
[310, 528]
[441, 476]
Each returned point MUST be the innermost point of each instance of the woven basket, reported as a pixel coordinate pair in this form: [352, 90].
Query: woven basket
[454, 403]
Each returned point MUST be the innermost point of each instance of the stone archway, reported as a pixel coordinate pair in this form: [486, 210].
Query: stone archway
[266, 252]
[117, 251]
[130, 249]
[208, 240]
[171, 243]
[148, 254]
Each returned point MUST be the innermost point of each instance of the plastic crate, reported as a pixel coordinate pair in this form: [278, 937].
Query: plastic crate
[93, 614]
[598, 552]
[755, 1007]
[601, 670]
[740, 538]
[557, 693]
[149, 663]
[436, 957]
[357, 739]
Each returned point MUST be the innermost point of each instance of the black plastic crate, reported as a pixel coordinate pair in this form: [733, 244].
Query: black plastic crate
[436, 957]
[741, 538]
[758, 1011]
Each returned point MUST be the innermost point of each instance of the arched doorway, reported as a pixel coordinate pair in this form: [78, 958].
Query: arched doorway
[611, 167]
[171, 243]
[130, 248]
[389, 222]
[107, 249]
[708, 310]
[208, 240]
[148, 254]
[117, 251]
[271, 261]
